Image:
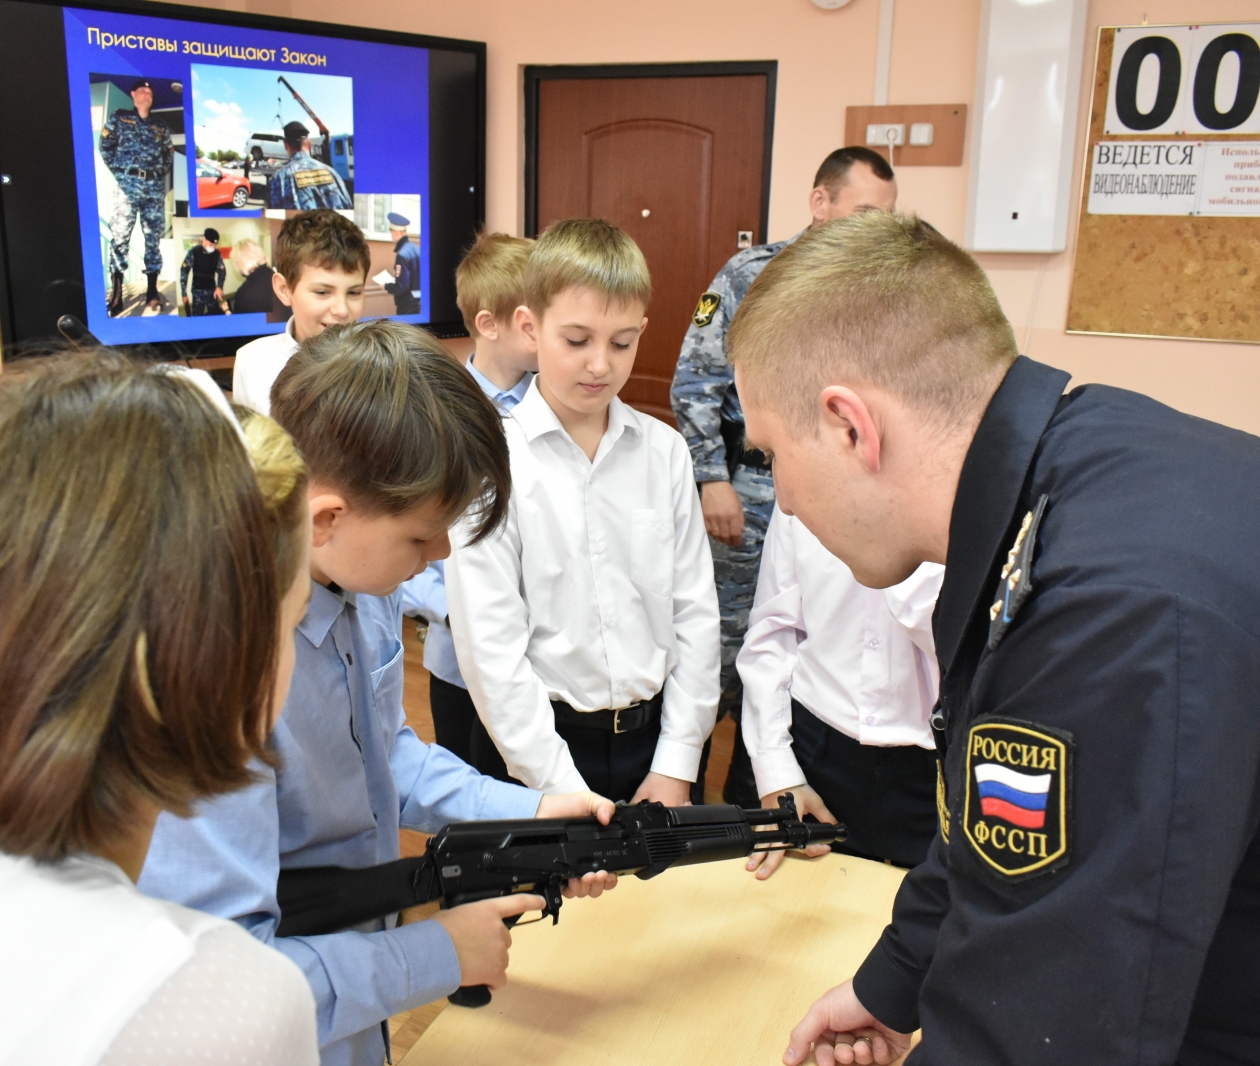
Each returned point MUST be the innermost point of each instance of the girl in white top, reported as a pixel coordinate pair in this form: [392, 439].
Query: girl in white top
[152, 581]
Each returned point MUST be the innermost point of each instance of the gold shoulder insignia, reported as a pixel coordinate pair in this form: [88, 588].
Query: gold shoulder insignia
[304, 179]
[942, 802]
[1015, 584]
[706, 309]
[1017, 813]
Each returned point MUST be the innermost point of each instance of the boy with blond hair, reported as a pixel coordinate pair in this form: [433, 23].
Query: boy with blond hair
[322, 261]
[587, 627]
[398, 442]
[489, 287]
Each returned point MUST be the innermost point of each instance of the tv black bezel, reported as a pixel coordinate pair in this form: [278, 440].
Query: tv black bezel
[222, 346]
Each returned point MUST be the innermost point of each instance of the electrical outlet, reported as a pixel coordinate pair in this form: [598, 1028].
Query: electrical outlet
[885, 133]
[922, 134]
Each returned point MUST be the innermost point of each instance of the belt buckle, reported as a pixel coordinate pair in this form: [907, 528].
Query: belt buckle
[617, 719]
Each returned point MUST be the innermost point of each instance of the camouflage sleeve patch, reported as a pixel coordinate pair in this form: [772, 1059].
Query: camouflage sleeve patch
[706, 309]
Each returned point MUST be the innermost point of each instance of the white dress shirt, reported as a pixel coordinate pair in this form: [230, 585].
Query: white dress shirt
[258, 364]
[862, 660]
[598, 591]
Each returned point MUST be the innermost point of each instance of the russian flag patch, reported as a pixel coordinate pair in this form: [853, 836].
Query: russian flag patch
[1017, 812]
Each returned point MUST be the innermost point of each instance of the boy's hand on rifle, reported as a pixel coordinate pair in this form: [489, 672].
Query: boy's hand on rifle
[807, 802]
[581, 805]
[671, 791]
[481, 939]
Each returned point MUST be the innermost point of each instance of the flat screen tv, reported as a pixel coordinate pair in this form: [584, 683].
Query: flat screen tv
[128, 130]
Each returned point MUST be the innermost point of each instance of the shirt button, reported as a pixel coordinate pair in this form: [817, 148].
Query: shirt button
[874, 642]
[870, 719]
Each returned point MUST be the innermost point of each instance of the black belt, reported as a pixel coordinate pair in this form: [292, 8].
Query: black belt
[622, 720]
[140, 172]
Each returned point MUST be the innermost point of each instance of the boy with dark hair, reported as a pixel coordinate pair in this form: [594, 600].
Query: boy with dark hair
[489, 287]
[322, 261]
[399, 441]
[587, 628]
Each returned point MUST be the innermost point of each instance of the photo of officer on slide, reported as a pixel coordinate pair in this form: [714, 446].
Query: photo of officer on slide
[137, 150]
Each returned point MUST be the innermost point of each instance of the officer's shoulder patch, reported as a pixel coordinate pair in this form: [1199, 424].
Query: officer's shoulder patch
[304, 179]
[706, 308]
[1015, 584]
[1017, 814]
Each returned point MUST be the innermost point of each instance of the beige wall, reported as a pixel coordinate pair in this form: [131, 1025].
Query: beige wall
[827, 61]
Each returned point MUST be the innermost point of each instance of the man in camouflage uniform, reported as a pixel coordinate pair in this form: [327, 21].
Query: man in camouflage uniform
[736, 485]
[137, 148]
[304, 183]
[205, 264]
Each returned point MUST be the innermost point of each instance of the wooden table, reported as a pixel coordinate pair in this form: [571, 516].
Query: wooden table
[703, 964]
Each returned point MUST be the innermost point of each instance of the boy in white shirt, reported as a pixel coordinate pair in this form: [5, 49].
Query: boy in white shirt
[489, 287]
[839, 683]
[322, 261]
[587, 628]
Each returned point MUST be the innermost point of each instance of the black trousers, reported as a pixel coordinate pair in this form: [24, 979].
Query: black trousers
[886, 796]
[458, 729]
[612, 764]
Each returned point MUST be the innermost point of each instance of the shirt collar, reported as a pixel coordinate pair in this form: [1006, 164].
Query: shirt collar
[989, 488]
[325, 608]
[516, 393]
[536, 418]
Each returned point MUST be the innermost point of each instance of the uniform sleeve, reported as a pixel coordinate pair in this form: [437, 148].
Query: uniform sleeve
[184, 269]
[109, 142]
[167, 148]
[220, 274]
[490, 624]
[689, 704]
[1156, 695]
[767, 660]
[346, 203]
[702, 380]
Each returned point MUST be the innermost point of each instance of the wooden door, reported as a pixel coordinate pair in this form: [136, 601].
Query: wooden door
[679, 163]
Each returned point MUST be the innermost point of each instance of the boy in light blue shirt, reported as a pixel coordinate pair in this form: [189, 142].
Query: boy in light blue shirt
[489, 287]
[399, 442]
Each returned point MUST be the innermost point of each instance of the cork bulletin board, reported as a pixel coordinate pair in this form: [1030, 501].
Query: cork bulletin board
[1168, 239]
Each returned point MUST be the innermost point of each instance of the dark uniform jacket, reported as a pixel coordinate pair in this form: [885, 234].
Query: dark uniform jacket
[406, 289]
[1094, 896]
[207, 269]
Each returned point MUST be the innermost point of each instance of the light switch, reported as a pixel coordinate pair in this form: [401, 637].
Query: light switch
[921, 134]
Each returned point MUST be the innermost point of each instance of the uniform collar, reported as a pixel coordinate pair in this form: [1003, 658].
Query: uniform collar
[989, 489]
[398, 247]
[536, 418]
[325, 608]
[516, 392]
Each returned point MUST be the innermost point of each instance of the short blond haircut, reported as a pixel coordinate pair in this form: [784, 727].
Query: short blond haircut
[491, 277]
[248, 256]
[586, 253]
[877, 298]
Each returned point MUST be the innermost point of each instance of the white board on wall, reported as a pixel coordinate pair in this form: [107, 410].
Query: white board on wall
[1027, 88]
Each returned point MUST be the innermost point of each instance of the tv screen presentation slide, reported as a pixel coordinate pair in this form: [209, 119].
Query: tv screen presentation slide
[193, 142]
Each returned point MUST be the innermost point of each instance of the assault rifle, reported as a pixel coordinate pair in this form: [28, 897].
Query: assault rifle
[469, 861]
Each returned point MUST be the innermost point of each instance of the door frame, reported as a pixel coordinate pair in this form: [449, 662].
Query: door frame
[536, 75]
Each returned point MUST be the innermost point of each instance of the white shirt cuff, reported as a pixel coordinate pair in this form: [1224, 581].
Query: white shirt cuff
[777, 770]
[675, 759]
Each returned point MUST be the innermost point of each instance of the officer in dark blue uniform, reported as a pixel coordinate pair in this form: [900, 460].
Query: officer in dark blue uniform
[205, 264]
[304, 183]
[1093, 895]
[406, 284]
[137, 148]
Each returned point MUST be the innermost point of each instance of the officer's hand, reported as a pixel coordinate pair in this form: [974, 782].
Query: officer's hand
[481, 939]
[218, 295]
[841, 1030]
[671, 791]
[807, 802]
[723, 513]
